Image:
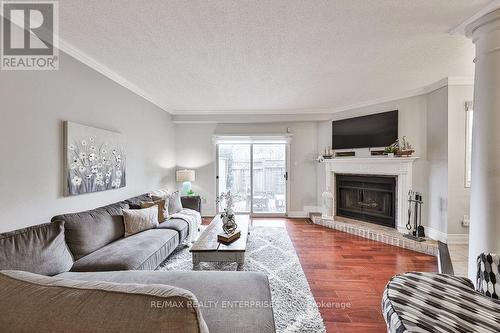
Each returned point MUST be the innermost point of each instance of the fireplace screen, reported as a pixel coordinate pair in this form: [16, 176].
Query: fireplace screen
[367, 198]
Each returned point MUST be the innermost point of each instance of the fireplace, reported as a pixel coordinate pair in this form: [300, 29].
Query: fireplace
[369, 198]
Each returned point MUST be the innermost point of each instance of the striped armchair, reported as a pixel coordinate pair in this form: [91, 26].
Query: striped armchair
[429, 302]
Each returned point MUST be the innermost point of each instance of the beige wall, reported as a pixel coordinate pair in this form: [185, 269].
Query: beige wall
[437, 156]
[195, 150]
[458, 194]
[34, 105]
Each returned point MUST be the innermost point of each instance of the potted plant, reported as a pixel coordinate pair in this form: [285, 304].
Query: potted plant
[391, 150]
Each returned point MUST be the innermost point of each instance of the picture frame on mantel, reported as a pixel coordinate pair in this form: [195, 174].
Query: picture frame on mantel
[94, 159]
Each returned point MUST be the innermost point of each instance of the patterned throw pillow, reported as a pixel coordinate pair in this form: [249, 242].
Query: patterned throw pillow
[488, 275]
[137, 220]
[161, 208]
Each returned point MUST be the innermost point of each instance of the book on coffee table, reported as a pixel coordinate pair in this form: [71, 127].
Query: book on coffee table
[225, 238]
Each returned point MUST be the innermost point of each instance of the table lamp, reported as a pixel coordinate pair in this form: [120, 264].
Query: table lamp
[186, 177]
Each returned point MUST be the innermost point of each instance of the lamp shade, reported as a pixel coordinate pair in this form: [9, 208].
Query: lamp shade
[185, 175]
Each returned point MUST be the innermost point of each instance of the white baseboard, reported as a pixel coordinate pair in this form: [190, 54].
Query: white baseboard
[313, 209]
[298, 214]
[436, 234]
[447, 238]
[207, 212]
[458, 239]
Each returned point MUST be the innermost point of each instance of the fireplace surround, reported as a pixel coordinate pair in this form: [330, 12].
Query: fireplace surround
[400, 168]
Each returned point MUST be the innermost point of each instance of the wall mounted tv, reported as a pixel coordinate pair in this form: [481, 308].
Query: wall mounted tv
[376, 130]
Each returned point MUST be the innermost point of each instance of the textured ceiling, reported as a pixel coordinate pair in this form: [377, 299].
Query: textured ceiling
[272, 55]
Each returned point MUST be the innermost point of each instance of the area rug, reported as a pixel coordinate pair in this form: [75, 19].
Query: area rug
[270, 251]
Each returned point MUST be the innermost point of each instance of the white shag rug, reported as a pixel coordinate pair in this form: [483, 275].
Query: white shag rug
[270, 251]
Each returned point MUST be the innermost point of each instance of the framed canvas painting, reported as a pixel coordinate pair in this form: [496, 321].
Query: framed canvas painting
[95, 159]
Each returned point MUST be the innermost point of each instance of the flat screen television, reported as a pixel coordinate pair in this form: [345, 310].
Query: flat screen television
[376, 130]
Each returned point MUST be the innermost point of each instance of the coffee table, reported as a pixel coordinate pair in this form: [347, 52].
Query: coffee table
[208, 249]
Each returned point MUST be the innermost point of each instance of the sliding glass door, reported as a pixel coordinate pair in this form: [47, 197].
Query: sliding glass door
[234, 174]
[269, 178]
[256, 174]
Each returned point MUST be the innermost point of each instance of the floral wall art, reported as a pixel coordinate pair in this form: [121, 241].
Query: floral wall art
[95, 159]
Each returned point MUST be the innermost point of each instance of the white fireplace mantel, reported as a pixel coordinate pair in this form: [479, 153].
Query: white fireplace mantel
[401, 167]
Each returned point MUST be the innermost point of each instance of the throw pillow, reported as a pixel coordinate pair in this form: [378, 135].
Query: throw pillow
[137, 220]
[161, 208]
[39, 249]
[162, 195]
[174, 203]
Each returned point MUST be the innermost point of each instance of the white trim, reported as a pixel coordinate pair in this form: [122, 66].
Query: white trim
[461, 28]
[446, 238]
[313, 209]
[264, 138]
[208, 214]
[84, 58]
[447, 81]
[298, 214]
[435, 234]
[458, 239]
[108, 72]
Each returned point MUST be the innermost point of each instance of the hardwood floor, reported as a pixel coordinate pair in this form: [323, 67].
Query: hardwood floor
[347, 273]
[352, 271]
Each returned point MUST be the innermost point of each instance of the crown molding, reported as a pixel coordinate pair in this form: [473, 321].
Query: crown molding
[461, 29]
[87, 60]
[313, 113]
[108, 72]
[239, 116]
[448, 81]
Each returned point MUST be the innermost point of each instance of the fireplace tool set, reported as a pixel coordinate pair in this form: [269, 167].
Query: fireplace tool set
[415, 231]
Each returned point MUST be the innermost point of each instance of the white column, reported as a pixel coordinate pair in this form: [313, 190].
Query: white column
[484, 233]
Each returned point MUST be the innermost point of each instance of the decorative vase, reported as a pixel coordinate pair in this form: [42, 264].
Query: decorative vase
[228, 224]
[327, 203]
[390, 155]
[228, 221]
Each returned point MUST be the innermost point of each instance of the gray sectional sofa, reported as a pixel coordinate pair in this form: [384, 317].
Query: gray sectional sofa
[95, 238]
[86, 256]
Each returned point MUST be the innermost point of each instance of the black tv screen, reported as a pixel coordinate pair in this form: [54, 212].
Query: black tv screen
[377, 130]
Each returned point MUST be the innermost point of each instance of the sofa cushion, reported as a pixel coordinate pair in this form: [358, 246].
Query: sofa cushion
[39, 249]
[143, 251]
[90, 230]
[35, 303]
[181, 226]
[137, 220]
[234, 301]
[135, 202]
[160, 204]
[162, 195]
